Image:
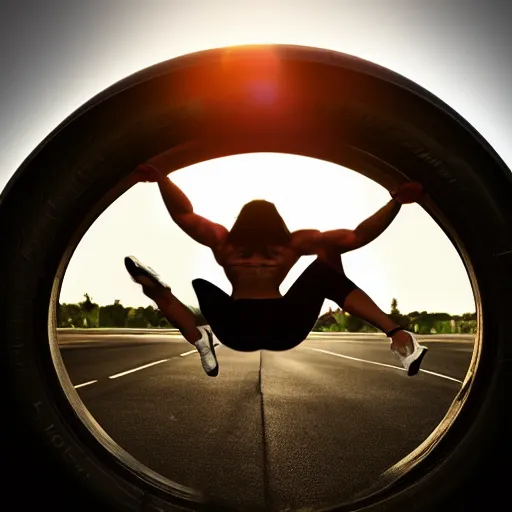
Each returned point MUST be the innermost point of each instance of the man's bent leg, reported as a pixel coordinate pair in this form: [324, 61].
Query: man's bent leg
[180, 316]
[176, 312]
[356, 302]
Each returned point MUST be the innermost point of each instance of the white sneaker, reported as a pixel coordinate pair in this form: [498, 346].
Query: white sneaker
[143, 274]
[206, 349]
[412, 361]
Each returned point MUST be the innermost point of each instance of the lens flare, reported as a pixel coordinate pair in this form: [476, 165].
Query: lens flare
[259, 78]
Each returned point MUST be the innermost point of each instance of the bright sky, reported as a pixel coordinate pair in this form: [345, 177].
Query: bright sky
[413, 260]
[71, 51]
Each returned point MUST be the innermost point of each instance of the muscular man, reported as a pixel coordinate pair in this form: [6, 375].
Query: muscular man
[256, 255]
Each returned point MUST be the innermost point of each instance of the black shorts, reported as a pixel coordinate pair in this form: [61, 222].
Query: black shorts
[272, 324]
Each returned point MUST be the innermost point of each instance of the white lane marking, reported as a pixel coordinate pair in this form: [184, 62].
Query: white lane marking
[188, 353]
[441, 375]
[85, 384]
[215, 345]
[325, 339]
[137, 369]
[386, 365]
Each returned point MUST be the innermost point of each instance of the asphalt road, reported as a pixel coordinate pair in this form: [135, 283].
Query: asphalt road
[274, 431]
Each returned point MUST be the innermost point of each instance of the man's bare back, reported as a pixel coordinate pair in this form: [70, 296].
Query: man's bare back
[256, 275]
[259, 274]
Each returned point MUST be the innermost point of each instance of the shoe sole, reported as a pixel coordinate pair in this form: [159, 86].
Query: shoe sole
[139, 275]
[215, 371]
[414, 367]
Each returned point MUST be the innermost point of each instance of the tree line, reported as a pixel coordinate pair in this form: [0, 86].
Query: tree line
[416, 321]
[88, 314]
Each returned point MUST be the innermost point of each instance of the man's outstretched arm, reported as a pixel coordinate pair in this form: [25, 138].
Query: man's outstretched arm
[180, 208]
[345, 240]
[309, 241]
[374, 226]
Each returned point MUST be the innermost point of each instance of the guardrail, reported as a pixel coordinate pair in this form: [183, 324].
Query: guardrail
[135, 331]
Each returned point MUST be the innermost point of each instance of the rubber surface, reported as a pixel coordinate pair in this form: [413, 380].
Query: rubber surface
[227, 101]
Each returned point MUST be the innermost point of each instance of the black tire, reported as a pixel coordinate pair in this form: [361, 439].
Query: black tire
[327, 105]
